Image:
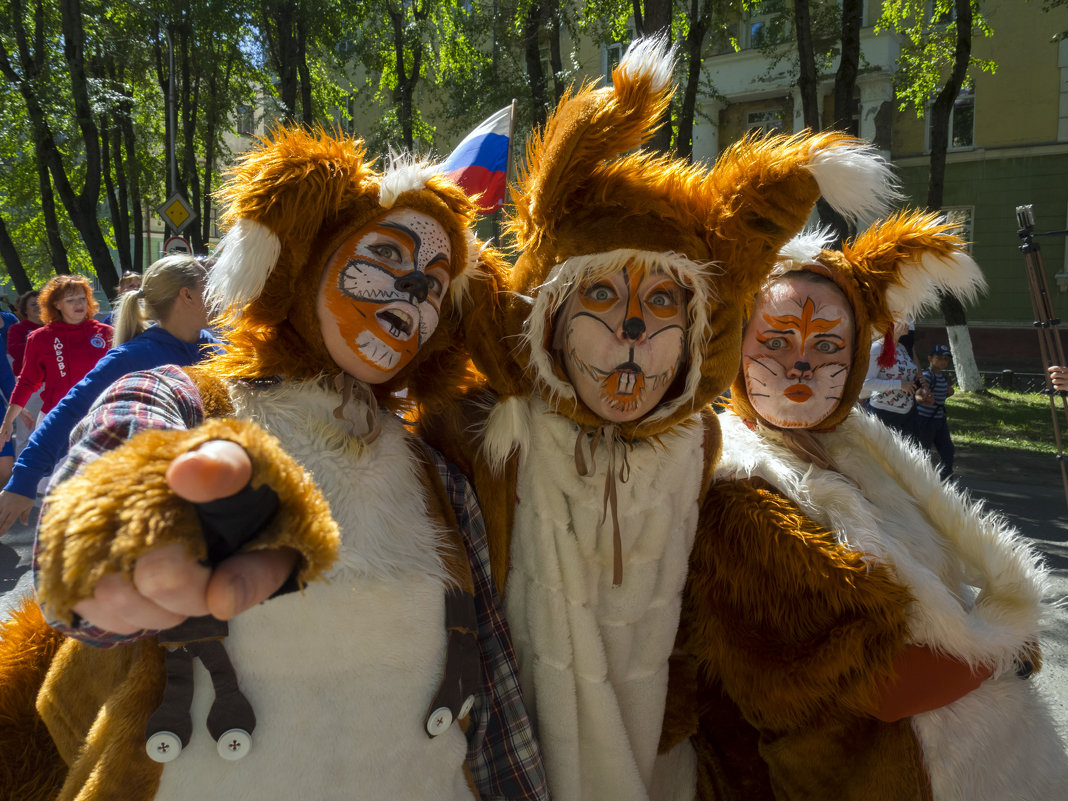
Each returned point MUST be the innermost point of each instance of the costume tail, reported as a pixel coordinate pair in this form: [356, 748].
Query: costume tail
[30, 766]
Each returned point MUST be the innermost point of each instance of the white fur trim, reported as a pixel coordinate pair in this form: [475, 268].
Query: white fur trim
[507, 429]
[978, 592]
[593, 658]
[247, 254]
[652, 56]
[957, 274]
[403, 173]
[565, 277]
[802, 250]
[855, 180]
[460, 285]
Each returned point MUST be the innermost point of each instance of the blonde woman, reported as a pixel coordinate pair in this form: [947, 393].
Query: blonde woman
[172, 297]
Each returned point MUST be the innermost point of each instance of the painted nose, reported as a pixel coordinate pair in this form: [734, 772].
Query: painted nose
[414, 284]
[801, 370]
[633, 328]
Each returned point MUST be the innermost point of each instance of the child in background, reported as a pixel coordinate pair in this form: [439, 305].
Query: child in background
[932, 428]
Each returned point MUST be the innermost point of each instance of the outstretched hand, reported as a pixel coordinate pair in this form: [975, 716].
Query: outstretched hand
[168, 585]
[13, 507]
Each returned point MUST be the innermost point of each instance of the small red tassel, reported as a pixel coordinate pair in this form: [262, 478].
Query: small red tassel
[888, 357]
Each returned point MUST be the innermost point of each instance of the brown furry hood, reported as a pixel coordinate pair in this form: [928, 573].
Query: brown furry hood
[586, 205]
[289, 204]
[892, 271]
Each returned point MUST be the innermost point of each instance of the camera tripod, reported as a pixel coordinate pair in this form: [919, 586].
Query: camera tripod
[1046, 323]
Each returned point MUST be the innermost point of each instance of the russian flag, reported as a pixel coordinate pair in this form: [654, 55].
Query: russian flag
[479, 163]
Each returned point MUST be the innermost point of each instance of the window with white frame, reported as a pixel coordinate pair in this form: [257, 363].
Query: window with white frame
[767, 23]
[767, 120]
[962, 218]
[611, 54]
[962, 121]
[246, 122]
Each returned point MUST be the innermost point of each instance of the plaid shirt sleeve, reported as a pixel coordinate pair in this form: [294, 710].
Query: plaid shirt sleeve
[504, 756]
[163, 398]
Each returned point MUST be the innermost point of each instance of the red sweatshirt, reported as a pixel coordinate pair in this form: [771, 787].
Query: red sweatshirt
[16, 342]
[59, 355]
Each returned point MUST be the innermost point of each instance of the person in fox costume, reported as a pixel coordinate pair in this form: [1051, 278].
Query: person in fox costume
[875, 625]
[390, 673]
[592, 443]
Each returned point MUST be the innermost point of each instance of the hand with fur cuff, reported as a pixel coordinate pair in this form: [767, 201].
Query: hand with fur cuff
[100, 524]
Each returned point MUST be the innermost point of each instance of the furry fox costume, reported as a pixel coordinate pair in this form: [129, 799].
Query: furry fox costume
[341, 286]
[591, 465]
[851, 601]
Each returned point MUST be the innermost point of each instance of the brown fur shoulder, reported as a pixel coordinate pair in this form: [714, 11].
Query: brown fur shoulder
[793, 623]
[213, 392]
[31, 768]
[456, 432]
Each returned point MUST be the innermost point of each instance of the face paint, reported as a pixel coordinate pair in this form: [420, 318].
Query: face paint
[621, 341]
[381, 294]
[797, 351]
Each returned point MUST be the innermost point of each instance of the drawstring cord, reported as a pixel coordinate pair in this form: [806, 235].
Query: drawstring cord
[593, 435]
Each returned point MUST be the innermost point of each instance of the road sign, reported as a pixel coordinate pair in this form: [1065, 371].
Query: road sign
[176, 244]
[177, 212]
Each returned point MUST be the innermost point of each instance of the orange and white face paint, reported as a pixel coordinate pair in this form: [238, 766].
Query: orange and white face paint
[796, 352]
[621, 338]
[381, 294]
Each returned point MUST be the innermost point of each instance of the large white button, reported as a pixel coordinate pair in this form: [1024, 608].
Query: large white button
[465, 710]
[163, 746]
[440, 719]
[234, 744]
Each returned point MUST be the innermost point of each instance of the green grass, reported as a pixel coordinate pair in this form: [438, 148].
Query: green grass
[1003, 420]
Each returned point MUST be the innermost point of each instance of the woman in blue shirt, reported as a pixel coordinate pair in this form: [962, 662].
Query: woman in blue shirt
[171, 294]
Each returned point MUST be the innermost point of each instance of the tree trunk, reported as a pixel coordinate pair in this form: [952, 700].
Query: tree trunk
[82, 207]
[133, 174]
[122, 240]
[807, 78]
[56, 248]
[656, 20]
[700, 22]
[535, 73]
[10, 255]
[307, 112]
[556, 59]
[960, 342]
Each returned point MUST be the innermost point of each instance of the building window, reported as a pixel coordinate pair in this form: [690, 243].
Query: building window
[962, 218]
[245, 121]
[767, 24]
[612, 55]
[962, 121]
[764, 121]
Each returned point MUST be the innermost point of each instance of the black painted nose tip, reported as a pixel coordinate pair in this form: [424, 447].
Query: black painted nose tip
[414, 284]
[633, 328]
[804, 367]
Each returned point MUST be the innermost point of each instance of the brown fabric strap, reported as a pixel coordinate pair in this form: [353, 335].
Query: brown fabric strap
[610, 434]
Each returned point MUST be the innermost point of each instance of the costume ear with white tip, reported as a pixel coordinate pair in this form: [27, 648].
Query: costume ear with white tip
[912, 257]
[247, 254]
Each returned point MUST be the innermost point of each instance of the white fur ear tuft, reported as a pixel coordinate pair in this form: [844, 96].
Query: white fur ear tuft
[918, 281]
[804, 248]
[507, 429]
[855, 180]
[247, 254]
[652, 56]
[403, 174]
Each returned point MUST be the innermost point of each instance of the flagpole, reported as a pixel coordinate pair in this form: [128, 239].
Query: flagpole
[507, 176]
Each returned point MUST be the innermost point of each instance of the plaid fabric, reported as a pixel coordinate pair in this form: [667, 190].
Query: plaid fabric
[503, 755]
